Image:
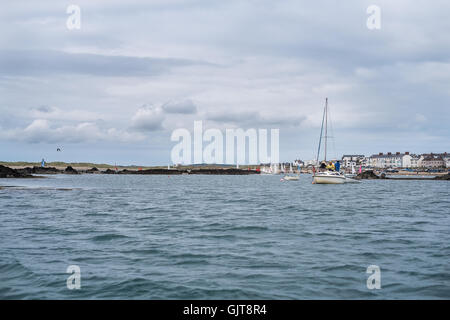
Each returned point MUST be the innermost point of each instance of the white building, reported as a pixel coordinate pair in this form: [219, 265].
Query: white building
[416, 161]
[355, 159]
[446, 158]
[308, 163]
[391, 160]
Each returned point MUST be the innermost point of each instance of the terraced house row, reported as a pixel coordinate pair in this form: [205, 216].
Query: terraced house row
[399, 160]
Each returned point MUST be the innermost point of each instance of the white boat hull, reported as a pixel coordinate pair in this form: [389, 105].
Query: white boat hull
[328, 179]
[291, 178]
[350, 180]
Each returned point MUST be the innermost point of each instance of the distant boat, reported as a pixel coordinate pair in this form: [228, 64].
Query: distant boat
[291, 177]
[353, 174]
[275, 169]
[326, 176]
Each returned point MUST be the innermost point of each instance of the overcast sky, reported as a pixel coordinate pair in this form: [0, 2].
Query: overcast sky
[115, 89]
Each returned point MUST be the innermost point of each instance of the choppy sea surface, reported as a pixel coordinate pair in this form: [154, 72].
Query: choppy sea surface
[222, 237]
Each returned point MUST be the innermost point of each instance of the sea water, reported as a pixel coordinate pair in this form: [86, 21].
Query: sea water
[222, 237]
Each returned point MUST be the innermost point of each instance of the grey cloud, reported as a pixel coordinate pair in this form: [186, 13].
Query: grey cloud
[250, 118]
[45, 109]
[181, 107]
[48, 62]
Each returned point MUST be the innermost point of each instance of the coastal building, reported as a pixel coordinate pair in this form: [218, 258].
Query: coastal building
[416, 161]
[390, 160]
[352, 159]
[406, 160]
[397, 160]
[365, 162]
[310, 163]
[446, 159]
[299, 163]
[432, 161]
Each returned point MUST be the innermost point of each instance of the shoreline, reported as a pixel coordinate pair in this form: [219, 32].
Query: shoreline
[33, 172]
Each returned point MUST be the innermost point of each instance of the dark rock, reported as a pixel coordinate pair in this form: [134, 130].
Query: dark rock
[92, 170]
[70, 170]
[45, 170]
[26, 170]
[230, 171]
[369, 174]
[39, 170]
[444, 177]
[158, 171]
[161, 171]
[6, 172]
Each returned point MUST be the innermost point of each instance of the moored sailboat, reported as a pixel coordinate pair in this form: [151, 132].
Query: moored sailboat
[326, 176]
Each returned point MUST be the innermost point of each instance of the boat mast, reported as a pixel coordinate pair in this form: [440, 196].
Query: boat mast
[326, 125]
[321, 135]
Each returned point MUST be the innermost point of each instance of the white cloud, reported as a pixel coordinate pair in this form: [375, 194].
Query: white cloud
[148, 118]
[41, 131]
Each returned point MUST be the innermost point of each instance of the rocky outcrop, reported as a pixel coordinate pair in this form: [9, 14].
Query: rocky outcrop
[230, 171]
[369, 174]
[70, 170]
[39, 170]
[126, 171]
[444, 177]
[158, 171]
[93, 170]
[6, 172]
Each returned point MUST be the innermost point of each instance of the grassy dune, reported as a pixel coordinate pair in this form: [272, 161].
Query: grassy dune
[59, 164]
[65, 164]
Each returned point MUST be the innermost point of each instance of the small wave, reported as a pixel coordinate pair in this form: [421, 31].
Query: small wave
[249, 228]
[108, 236]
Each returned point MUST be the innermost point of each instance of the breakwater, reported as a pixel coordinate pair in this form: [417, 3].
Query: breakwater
[6, 172]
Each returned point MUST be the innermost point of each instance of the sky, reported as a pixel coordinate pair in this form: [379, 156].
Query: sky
[114, 90]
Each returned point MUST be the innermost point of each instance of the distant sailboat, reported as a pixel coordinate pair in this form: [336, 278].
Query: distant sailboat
[290, 177]
[326, 176]
[276, 169]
